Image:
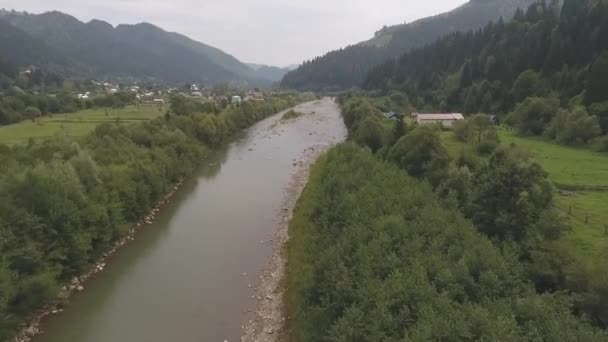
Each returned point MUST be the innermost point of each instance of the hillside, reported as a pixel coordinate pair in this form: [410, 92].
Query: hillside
[17, 46]
[140, 51]
[271, 73]
[530, 67]
[346, 68]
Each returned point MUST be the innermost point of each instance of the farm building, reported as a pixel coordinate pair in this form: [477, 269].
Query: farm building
[391, 116]
[445, 120]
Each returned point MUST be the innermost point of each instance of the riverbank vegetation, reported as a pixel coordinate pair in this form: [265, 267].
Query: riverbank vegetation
[64, 200]
[418, 240]
[292, 114]
[375, 255]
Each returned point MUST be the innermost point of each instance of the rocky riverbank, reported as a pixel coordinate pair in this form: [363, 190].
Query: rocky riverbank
[268, 318]
[31, 328]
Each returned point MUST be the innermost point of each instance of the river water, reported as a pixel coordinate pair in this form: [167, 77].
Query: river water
[186, 277]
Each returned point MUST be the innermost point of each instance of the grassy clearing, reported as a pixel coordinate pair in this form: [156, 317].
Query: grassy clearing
[454, 146]
[568, 167]
[75, 124]
[588, 215]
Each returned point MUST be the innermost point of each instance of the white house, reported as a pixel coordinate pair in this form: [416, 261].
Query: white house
[236, 100]
[445, 120]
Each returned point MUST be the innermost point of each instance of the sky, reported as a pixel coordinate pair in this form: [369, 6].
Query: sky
[273, 32]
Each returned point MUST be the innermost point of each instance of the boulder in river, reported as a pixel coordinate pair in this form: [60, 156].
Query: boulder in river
[75, 281]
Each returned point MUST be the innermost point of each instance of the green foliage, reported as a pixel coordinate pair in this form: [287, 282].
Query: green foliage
[573, 127]
[292, 114]
[371, 133]
[480, 131]
[527, 84]
[597, 81]
[601, 144]
[509, 195]
[422, 155]
[374, 256]
[534, 114]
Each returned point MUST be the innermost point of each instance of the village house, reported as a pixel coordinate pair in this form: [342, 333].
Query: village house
[446, 120]
[391, 116]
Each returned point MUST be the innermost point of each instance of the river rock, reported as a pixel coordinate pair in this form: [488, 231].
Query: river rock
[75, 281]
[80, 288]
[31, 331]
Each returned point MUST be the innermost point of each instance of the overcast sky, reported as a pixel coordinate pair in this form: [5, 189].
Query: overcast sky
[275, 32]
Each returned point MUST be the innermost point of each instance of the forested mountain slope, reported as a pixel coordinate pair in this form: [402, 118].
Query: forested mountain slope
[537, 63]
[17, 46]
[346, 68]
[141, 51]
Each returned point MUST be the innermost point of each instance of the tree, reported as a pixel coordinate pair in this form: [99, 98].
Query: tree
[371, 133]
[32, 113]
[509, 194]
[527, 84]
[574, 127]
[531, 116]
[422, 155]
[597, 81]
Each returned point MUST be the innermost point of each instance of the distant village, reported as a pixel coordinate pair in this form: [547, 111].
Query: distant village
[159, 95]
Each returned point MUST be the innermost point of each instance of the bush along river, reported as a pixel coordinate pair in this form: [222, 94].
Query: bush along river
[192, 274]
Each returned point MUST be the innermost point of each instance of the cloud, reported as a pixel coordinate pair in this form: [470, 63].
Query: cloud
[277, 32]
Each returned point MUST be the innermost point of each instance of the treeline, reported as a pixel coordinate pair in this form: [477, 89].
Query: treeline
[545, 71]
[347, 68]
[409, 244]
[17, 105]
[63, 202]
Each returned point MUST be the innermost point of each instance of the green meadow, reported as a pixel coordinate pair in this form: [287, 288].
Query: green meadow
[75, 124]
[569, 167]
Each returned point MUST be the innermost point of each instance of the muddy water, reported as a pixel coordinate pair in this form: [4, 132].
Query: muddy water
[186, 277]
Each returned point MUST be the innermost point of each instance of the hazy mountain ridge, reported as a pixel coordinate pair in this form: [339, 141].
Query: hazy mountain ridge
[269, 72]
[346, 68]
[142, 50]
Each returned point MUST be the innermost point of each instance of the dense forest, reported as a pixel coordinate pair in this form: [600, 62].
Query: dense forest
[393, 239]
[346, 68]
[545, 72]
[64, 201]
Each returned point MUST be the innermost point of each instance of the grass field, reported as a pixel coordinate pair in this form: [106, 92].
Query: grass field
[569, 167]
[588, 213]
[74, 124]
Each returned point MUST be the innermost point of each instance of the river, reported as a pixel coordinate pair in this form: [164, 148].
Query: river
[187, 276]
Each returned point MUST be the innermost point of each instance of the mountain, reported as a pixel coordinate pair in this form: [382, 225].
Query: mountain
[546, 57]
[140, 51]
[268, 72]
[346, 68]
[16, 45]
